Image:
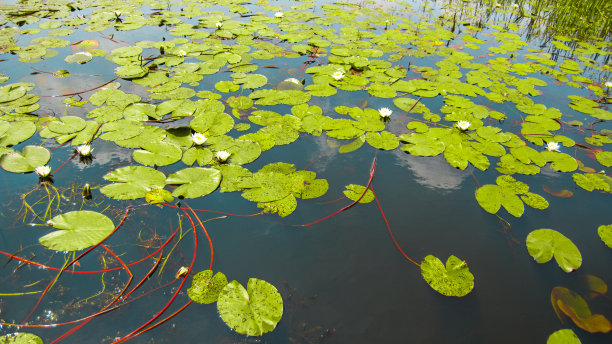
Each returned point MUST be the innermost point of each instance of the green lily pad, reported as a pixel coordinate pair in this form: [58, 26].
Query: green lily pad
[542, 244]
[133, 182]
[604, 158]
[605, 233]
[11, 92]
[253, 311]
[28, 160]
[205, 288]
[78, 230]
[131, 71]
[354, 191]
[194, 181]
[67, 125]
[16, 133]
[80, 57]
[453, 280]
[565, 336]
[21, 338]
[158, 154]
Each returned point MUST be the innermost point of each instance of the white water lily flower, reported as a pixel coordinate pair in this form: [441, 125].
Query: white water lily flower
[338, 75]
[84, 150]
[278, 14]
[463, 125]
[181, 53]
[117, 13]
[222, 156]
[385, 112]
[198, 138]
[608, 84]
[43, 171]
[552, 146]
[218, 25]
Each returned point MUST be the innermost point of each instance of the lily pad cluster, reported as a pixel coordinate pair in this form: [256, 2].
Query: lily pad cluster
[252, 311]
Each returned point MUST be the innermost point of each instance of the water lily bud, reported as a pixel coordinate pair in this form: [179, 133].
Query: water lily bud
[182, 272]
[86, 191]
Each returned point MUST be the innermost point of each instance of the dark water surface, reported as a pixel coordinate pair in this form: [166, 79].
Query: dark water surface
[342, 280]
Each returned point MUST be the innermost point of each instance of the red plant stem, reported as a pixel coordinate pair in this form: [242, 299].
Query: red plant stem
[59, 146]
[212, 254]
[195, 250]
[372, 168]
[390, 233]
[318, 158]
[89, 316]
[74, 329]
[211, 211]
[92, 271]
[65, 162]
[165, 319]
[70, 264]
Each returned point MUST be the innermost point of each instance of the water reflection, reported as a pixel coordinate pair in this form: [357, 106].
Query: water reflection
[432, 172]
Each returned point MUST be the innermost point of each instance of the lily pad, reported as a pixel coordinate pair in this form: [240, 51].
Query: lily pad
[205, 288]
[28, 160]
[542, 244]
[565, 336]
[354, 191]
[78, 230]
[253, 311]
[453, 280]
[20, 338]
[605, 233]
[194, 181]
[133, 182]
[158, 154]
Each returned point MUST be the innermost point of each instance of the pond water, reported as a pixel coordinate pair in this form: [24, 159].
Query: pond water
[136, 80]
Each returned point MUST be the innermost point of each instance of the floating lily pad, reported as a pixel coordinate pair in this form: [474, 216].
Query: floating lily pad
[565, 336]
[253, 311]
[542, 244]
[194, 181]
[354, 191]
[78, 230]
[605, 233]
[158, 154]
[453, 280]
[28, 160]
[205, 288]
[80, 57]
[21, 338]
[133, 182]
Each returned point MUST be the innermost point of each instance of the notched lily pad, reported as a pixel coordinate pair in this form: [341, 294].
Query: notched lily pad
[78, 230]
[453, 280]
[205, 288]
[252, 311]
[542, 244]
[28, 160]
